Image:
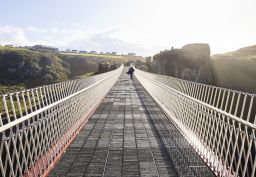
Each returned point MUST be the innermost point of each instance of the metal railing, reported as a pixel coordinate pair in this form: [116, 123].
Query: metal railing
[38, 124]
[219, 123]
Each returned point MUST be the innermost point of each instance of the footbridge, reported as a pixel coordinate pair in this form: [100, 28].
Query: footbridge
[109, 125]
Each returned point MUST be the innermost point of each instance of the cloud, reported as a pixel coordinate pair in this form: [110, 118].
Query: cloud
[12, 35]
[106, 40]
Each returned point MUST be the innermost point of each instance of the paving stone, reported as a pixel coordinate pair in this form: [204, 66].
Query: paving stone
[128, 135]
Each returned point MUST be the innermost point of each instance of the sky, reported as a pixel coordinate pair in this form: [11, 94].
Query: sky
[141, 26]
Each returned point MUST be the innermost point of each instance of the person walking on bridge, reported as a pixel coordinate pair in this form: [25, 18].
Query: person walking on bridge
[131, 71]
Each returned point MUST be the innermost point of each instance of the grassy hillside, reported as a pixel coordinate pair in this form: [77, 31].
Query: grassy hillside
[249, 51]
[236, 70]
[80, 65]
[116, 58]
[27, 68]
[30, 68]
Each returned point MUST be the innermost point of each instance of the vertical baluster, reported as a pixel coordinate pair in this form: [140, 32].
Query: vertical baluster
[41, 97]
[75, 86]
[227, 101]
[223, 98]
[250, 108]
[202, 92]
[12, 106]
[193, 89]
[38, 99]
[197, 91]
[218, 100]
[69, 86]
[62, 90]
[29, 101]
[49, 98]
[6, 108]
[205, 93]
[232, 102]
[34, 99]
[46, 95]
[19, 105]
[237, 103]
[51, 93]
[66, 89]
[209, 95]
[24, 102]
[188, 88]
[215, 96]
[1, 120]
[55, 92]
[58, 91]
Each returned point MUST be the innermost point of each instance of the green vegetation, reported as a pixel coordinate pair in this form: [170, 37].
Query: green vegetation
[10, 89]
[29, 68]
[235, 72]
[103, 56]
[12, 48]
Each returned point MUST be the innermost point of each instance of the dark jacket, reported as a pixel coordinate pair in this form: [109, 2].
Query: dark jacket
[131, 70]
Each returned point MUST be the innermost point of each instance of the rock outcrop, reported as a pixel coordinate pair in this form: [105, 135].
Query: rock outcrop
[192, 62]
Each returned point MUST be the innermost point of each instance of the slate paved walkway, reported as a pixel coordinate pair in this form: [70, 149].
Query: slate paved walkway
[129, 135]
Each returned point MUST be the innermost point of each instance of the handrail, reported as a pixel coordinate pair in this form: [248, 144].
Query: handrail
[219, 123]
[235, 118]
[34, 136]
[30, 115]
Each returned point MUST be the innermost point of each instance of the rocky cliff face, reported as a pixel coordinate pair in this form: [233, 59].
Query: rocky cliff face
[191, 62]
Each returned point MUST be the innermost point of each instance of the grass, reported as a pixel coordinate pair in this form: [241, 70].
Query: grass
[238, 74]
[88, 74]
[3, 48]
[250, 57]
[112, 57]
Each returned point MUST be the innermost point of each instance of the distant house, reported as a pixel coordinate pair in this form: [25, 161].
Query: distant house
[148, 60]
[75, 51]
[9, 45]
[45, 48]
[113, 53]
[27, 47]
[82, 51]
[131, 54]
[93, 52]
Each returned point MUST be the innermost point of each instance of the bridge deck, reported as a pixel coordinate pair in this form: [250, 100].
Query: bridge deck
[129, 135]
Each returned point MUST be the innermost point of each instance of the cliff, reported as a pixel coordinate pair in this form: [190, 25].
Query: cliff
[236, 70]
[191, 62]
